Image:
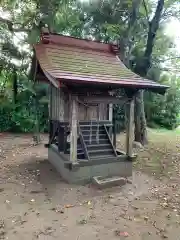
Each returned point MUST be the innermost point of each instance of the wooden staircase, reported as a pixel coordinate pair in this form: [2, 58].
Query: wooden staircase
[95, 141]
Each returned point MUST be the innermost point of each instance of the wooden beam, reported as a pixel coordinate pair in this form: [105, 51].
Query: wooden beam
[51, 79]
[73, 138]
[129, 128]
[99, 99]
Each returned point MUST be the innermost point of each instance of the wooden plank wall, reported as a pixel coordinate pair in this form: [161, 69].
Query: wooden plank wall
[92, 112]
[57, 106]
[60, 105]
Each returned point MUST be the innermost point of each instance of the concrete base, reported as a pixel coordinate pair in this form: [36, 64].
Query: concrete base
[85, 174]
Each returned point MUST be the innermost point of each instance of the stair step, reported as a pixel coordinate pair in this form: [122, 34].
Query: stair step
[99, 146]
[93, 132]
[101, 152]
[80, 153]
[94, 135]
[84, 127]
[94, 158]
[94, 122]
[79, 150]
[94, 142]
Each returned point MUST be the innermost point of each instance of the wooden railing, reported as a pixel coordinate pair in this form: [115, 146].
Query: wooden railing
[58, 133]
[83, 144]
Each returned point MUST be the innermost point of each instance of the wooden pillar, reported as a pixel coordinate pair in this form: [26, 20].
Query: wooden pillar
[73, 138]
[100, 111]
[60, 138]
[110, 119]
[110, 112]
[114, 132]
[50, 112]
[129, 127]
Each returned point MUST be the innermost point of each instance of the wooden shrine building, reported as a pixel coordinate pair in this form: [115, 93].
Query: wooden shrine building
[83, 75]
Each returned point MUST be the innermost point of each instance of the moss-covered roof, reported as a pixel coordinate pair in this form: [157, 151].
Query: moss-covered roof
[66, 58]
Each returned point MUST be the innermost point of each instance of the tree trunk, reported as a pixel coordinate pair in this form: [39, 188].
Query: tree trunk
[33, 69]
[140, 131]
[144, 63]
[14, 87]
[141, 69]
[32, 77]
[125, 43]
[36, 137]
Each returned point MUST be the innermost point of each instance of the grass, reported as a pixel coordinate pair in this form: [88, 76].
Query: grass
[165, 131]
[160, 158]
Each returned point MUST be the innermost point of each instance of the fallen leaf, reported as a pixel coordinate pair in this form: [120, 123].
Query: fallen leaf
[146, 218]
[69, 206]
[2, 234]
[164, 236]
[121, 234]
[2, 224]
[110, 196]
[36, 191]
[83, 221]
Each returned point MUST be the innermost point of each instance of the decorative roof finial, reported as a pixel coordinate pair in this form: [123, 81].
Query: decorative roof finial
[45, 37]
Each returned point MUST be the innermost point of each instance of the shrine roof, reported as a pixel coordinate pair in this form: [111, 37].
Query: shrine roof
[80, 61]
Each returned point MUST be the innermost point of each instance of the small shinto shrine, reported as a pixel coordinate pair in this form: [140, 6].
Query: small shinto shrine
[83, 76]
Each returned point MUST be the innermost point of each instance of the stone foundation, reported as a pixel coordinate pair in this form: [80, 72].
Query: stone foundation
[84, 174]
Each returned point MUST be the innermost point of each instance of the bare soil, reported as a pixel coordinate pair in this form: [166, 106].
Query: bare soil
[36, 204]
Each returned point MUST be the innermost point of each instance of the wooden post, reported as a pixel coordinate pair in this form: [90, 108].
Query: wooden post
[110, 112]
[73, 138]
[60, 138]
[114, 132]
[129, 128]
[110, 119]
[50, 105]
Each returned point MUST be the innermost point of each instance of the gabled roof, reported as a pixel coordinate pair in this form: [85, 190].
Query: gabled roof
[68, 59]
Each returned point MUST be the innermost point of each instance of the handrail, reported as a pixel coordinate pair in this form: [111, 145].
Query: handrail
[110, 141]
[83, 143]
[54, 130]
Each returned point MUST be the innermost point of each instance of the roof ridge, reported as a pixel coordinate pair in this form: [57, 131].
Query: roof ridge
[60, 39]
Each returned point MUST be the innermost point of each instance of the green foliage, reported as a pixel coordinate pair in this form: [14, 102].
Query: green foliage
[105, 21]
[22, 116]
[163, 111]
[34, 36]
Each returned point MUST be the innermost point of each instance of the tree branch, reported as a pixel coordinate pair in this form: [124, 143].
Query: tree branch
[10, 26]
[167, 59]
[154, 25]
[146, 10]
[143, 65]
[168, 69]
[7, 22]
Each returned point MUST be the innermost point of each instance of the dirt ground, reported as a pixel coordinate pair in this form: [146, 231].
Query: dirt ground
[36, 204]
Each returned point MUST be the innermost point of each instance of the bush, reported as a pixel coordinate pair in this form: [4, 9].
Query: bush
[22, 118]
[163, 110]
[6, 112]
